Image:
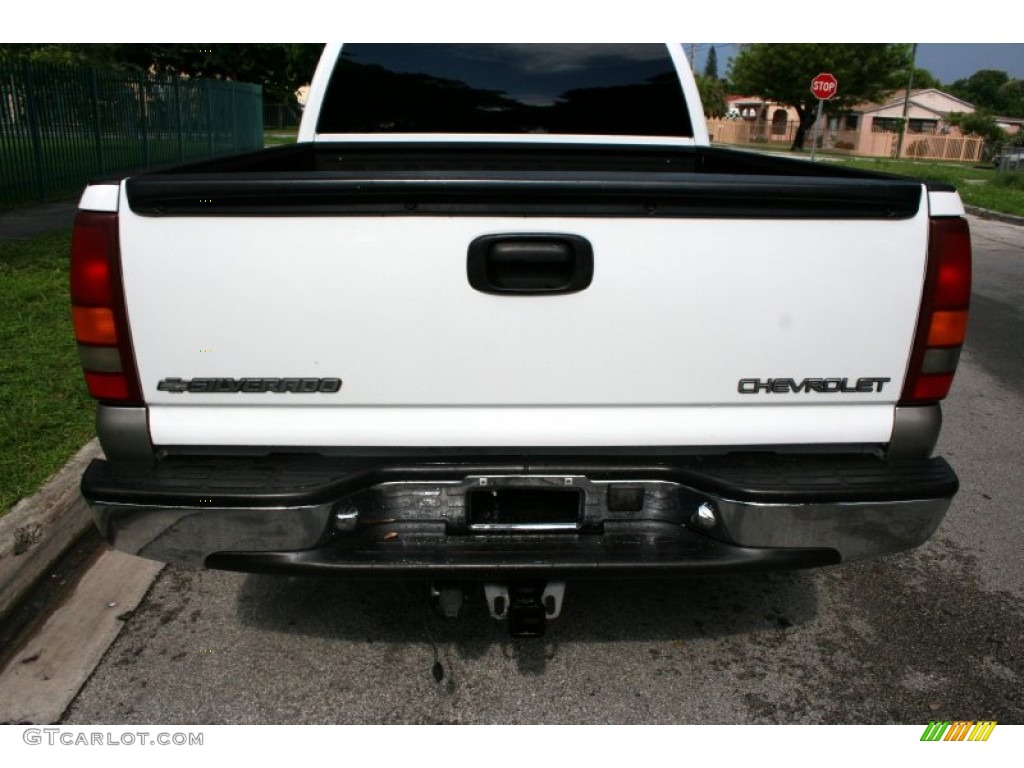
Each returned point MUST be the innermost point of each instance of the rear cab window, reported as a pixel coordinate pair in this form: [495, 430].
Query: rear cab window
[582, 89]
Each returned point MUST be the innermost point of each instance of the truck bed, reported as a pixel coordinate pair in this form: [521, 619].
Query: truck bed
[435, 179]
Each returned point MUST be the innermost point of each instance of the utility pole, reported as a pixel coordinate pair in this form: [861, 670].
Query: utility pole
[693, 57]
[906, 103]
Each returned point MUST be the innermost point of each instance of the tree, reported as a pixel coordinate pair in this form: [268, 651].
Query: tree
[712, 95]
[925, 79]
[992, 90]
[783, 73]
[711, 65]
[279, 67]
[60, 53]
[977, 123]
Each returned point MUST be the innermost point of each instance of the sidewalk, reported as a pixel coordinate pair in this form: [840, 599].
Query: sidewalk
[31, 220]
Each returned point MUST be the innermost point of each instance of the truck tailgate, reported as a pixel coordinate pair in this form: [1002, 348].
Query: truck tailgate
[694, 331]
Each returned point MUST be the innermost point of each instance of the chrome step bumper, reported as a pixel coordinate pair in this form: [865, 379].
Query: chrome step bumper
[313, 514]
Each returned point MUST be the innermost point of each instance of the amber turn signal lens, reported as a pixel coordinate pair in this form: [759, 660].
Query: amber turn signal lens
[947, 329]
[94, 325]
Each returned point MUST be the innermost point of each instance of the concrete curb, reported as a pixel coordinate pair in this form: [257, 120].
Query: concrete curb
[35, 533]
[984, 213]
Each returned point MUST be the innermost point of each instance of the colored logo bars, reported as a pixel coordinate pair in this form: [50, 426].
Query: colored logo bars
[958, 730]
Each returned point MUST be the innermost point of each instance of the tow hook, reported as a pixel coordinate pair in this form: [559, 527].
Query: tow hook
[527, 605]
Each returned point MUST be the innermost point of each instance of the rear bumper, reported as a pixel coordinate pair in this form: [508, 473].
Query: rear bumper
[688, 515]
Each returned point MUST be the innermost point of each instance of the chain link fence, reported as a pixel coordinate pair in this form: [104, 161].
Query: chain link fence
[1009, 157]
[277, 116]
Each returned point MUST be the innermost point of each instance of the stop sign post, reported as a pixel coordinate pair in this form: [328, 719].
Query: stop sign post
[823, 87]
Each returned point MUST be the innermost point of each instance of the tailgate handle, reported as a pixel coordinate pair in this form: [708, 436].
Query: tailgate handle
[530, 265]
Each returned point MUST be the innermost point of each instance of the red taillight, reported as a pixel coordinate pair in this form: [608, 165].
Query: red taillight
[933, 386]
[107, 386]
[942, 323]
[949, 244]
[91, 260]
[97, 310]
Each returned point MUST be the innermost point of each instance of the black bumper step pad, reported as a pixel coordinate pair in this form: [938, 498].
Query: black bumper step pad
[302, 480]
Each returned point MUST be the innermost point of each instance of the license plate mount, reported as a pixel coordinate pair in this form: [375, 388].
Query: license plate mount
[524, 509]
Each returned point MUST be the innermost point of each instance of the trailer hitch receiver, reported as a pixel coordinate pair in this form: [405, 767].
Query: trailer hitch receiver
[527, 605]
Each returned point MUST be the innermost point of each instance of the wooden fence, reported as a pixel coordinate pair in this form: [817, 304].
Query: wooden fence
[965, 149]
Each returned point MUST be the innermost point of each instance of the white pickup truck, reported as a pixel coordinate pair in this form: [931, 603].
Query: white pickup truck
[503, 316]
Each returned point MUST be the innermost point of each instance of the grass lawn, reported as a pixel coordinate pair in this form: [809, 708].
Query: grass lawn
[46, 413]
[980, 186]
[277, 136]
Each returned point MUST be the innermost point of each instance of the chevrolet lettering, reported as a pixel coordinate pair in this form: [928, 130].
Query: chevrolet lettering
[249, 386]
[824, 386]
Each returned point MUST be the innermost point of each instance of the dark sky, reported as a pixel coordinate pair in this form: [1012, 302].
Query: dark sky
[947, 61]
[952, 61]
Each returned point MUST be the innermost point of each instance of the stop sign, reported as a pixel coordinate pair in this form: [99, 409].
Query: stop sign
[824, 86]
